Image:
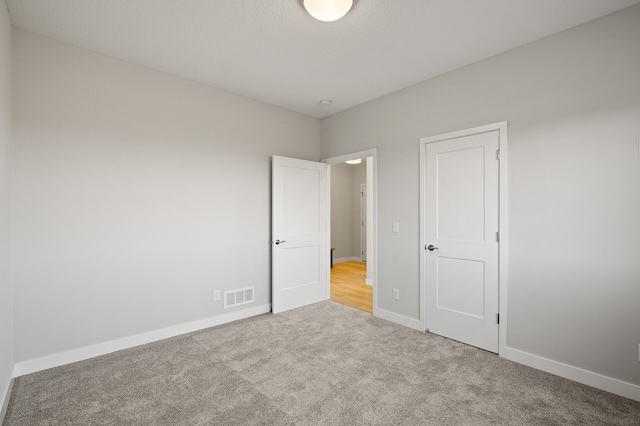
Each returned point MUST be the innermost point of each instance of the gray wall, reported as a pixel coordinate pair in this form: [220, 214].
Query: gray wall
[341, 211]
[136, 195]
[573, 106]
[6, 291]
[345, 208]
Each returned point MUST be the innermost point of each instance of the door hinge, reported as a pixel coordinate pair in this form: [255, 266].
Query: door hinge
[498, 319]
[498, 236]
[498, 155]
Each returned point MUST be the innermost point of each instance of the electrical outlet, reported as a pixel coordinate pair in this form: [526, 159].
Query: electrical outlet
[216, 295]
[395, 227]
[396, 294]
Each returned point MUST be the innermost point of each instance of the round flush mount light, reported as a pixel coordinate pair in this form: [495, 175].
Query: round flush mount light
[327, 10]
[325, 102]
[356, 161]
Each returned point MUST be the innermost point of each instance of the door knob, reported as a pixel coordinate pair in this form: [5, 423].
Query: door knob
[431, 247]
[278, 242]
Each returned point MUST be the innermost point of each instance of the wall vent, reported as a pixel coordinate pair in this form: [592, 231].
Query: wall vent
[238, 297]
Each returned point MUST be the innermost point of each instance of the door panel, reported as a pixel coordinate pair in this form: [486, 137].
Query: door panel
[460, 187]
[461, 286]
[301, 266]
[462, 205]
[300, 200]
[299, 231]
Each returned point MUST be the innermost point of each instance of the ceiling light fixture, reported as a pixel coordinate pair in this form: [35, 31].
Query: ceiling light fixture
[356, 161]
[327, 10]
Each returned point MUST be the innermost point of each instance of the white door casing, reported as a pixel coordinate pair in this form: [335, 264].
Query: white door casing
[363, 222]
[372, 217]
[460, 211]
[300, 247]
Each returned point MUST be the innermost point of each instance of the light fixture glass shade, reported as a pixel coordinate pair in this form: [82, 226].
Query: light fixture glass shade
[327, 10]
[356, 161]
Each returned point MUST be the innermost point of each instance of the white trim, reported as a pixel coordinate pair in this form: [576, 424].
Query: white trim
[422, 285]
[368, 281]
[374, 257]
[363, 219]
[80, 354]
[370, 227]
[501, 127]
[328, 236]
[6, 396]
[347, 259]
[504, 240]
[342, 158]
[372, 262]
[416, 324]
[609, 384]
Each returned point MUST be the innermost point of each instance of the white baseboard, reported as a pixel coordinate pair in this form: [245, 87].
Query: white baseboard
[398, 319]
[609, 384]
[6, 396]
[347, 259]
[368, 281]
[80, 354]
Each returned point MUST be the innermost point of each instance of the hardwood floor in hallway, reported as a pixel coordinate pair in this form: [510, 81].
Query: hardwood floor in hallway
[348, 286]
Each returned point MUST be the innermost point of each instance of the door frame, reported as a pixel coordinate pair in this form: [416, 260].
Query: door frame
[363, 221]
[372, 258]
[501, 127]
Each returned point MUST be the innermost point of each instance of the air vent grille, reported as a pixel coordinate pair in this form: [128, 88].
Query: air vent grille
[238, 297]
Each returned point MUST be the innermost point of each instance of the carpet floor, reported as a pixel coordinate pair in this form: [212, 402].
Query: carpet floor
[323, 364]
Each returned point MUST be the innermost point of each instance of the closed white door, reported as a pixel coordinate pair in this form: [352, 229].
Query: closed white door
[462, 248]
[300, 262]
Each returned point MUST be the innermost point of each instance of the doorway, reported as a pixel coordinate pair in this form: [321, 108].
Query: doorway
[348, 286]
[352, 230]
[301, 227]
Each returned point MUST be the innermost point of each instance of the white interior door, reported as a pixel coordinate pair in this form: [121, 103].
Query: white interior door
[300, 264]
[462, 224]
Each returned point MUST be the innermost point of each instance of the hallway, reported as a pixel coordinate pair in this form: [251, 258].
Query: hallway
[348, 286]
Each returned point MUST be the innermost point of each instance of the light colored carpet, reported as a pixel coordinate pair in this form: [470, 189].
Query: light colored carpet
[322, 364]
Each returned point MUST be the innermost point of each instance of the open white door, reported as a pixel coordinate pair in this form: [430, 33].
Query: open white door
[300, 264]
[462, 244]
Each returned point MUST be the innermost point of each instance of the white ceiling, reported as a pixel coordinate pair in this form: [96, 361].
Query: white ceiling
[272, 50]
